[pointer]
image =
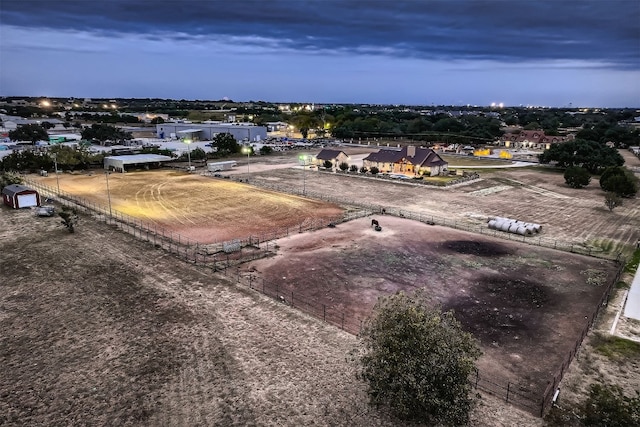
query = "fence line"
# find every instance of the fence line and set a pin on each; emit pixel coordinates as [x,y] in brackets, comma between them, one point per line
[214,257]
[535,240]
[547,400]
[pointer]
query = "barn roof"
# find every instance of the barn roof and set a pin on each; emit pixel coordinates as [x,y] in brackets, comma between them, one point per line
[13,189]
[327,154]
[133,159]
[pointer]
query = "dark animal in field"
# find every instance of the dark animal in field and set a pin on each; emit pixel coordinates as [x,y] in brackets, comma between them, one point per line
[374,222]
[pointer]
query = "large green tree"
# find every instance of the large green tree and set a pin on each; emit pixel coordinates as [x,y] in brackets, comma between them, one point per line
[30,132]
[417,361]
[591,155]
[577,177]
[226,144]
[619,180]
[103,133]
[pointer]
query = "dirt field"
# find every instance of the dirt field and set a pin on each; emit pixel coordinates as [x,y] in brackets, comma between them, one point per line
[527,194]
[527,305]
[98,328]
[205,210]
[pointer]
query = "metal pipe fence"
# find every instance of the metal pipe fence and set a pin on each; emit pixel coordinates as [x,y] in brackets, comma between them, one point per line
[254,247]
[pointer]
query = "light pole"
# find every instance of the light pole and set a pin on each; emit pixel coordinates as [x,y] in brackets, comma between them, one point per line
[108,192]
[304,175]
[55,162]
[188,142]
[247,150]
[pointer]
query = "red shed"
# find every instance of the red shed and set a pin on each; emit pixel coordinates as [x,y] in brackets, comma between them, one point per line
[18,196]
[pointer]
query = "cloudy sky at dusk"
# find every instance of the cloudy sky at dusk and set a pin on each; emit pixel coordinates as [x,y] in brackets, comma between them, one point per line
[419,52]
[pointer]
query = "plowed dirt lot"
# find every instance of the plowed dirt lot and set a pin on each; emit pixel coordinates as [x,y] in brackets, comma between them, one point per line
[98,328]
[202,209]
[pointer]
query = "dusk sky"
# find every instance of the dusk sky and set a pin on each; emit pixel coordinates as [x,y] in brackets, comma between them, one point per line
[421,52]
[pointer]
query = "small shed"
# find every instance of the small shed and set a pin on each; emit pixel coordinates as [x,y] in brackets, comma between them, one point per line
[18,196]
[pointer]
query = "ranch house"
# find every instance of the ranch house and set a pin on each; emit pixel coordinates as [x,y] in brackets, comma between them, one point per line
[334,156]
[535,139]
[409,160]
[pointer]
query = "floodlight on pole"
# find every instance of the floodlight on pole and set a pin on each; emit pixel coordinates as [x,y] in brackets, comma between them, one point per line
[247,150]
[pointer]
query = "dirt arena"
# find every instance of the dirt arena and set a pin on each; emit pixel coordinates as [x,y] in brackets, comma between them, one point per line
[526,305]
[205,210]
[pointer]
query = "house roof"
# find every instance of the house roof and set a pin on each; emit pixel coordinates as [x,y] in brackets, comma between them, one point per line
[537,136]
[327,154]
[423,157]
[13,189]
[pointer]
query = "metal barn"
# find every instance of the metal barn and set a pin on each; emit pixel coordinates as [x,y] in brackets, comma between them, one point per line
[18,196]
[146,161]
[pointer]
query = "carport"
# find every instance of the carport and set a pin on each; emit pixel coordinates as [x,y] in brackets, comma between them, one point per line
[146,161]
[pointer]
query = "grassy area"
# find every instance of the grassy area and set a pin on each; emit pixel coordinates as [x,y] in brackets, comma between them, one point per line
[632,265]
[615,347]
[440,180]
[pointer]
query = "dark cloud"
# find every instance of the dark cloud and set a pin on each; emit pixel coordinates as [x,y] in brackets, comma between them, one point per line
[596,30]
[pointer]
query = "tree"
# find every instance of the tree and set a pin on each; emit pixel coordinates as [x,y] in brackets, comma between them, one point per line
[374,170]
[327,164]
[577,177]
[417,360]
[226,144]
[619,180]
[612,200]
[265,149]
[590,155]
[363,169]
[353,168]
[104,132]
[69,218]
[343,166]
[47,125]
[608,406]
[29,132]
[157,120]
[8,179]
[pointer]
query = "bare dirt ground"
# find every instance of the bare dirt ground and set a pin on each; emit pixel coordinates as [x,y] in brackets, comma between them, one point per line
[528,194]
[203,209]
[97,328]
[527,305]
